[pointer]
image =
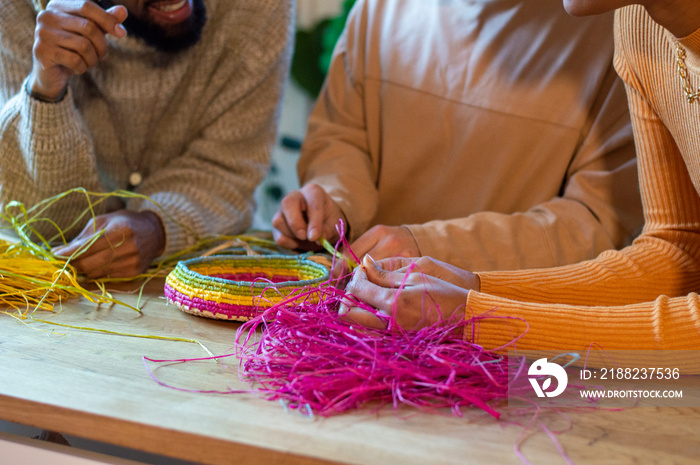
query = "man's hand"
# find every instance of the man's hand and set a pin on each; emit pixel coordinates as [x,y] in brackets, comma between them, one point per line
[131,240]
[70,38]
[385,242]
[305,216]
[421,291]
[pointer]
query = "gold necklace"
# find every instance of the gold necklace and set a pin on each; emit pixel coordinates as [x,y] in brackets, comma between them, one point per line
[683,73]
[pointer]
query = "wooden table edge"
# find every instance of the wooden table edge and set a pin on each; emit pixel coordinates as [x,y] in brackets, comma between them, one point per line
[143,437]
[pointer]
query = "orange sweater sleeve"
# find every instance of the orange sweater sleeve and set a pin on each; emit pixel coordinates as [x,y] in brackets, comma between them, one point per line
[614,300]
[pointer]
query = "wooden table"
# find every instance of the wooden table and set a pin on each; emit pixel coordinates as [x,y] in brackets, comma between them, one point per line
[95,386]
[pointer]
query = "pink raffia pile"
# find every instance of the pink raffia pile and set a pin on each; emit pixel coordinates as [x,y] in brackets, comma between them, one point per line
[300,352]
[307,357]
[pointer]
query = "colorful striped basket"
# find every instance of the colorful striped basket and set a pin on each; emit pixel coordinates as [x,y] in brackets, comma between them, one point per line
[239,287]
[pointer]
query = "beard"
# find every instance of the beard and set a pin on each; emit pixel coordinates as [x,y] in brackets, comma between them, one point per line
[172,39]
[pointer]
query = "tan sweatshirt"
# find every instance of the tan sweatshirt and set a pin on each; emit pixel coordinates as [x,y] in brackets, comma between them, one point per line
[643,297]
[199,125]
[497,130]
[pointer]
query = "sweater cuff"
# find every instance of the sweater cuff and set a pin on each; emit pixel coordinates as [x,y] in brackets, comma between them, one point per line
[178,235]
[424,236]
[490,328]
[54,122]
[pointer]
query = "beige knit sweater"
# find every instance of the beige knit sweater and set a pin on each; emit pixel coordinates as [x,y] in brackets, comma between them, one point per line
[642,297]
[199,125]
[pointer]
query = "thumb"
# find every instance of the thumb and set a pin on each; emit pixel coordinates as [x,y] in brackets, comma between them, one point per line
[67,251]
[379,276]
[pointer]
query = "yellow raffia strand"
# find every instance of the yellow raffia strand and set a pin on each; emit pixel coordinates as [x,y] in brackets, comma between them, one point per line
[29,283]
[40,5]
[119,333]
[32,278]
[352,264]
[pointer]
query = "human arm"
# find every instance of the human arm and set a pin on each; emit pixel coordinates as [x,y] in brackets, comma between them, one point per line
[663,323]
[69,40]
[425,292]
[336,153]
[46,147]
[494,323]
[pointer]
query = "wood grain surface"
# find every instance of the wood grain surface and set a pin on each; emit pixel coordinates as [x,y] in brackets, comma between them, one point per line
[96,386]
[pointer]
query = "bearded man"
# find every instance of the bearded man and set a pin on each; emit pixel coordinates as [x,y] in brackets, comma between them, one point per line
[177,100]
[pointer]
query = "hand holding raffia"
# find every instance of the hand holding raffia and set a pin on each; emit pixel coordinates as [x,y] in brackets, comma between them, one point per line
[383,241]
[412,293]
[305,216]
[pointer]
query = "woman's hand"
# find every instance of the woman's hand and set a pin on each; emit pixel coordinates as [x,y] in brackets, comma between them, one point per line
[417,292]
[431,267]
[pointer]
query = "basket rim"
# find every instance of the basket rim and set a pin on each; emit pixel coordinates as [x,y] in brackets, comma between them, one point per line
[184,267]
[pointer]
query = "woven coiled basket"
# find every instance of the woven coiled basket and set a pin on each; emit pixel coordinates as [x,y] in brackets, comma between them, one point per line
[240,287]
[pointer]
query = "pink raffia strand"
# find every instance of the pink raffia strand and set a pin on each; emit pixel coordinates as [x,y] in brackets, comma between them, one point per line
[300,353]
[305,356]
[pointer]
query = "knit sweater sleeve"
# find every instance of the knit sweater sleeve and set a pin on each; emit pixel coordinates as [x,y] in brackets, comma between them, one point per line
[226,103]
[614,300]
[45,148]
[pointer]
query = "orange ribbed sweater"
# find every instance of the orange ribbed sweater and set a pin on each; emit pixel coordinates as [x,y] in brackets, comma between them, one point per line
[642,297]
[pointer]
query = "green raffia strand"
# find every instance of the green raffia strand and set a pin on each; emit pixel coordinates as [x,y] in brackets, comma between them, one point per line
[35,214]
[22,221]
[352,264]
[119,333]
